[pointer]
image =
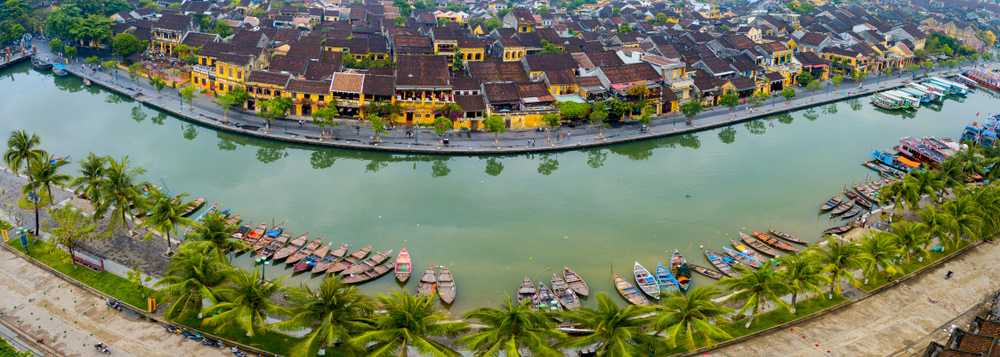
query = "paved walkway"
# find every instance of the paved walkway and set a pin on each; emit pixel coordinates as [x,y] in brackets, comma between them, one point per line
[896,320]
[352,135]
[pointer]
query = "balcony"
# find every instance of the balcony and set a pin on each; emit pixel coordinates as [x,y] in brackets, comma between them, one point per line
[680,83]
[203,69]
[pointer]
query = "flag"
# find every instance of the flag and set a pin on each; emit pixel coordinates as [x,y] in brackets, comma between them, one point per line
[977,114]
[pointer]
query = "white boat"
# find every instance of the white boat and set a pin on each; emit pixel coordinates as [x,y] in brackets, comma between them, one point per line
[646,281]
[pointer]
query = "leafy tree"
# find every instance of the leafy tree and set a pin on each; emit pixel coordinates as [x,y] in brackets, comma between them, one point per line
[730,100]
[928,66]
[378,125]
[165,214]
[119,189]
[758,98]
[755,288]
[273,108]
[661,18]
[70,51]
[191,59]
[134,72]
[159,84]
[96,28]
[409,321]
[323,117]
[912,68]
[837,80]
[126,44]
[71,227]
[189,93]
[511,329]
[496,125]
[599,117]
[911,237]
[222,29]
[56,45]
[108,65]
[690,109]
[803,274]
[617,332]
[625,28]
[450,111]
[192,277]
[692,321]
[551,121]
[493,24]
[245,303]
[23,151]
[789,94]
[226,101]
[548,48]
[839,259]
[542,10]
[441,127]
[805,78]
[962,219]
[333,312]
[400,21]
[813,86]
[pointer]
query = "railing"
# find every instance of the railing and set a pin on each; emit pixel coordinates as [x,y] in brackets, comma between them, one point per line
[680,83]
[203,69]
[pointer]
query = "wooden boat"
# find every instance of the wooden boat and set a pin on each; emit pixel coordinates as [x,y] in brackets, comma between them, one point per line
[720,264]
[832,202]
[707,272]
[334,256]
[852,212]
[274,246]
[367,264]
[349,260]
[576,282]
[749,252]
[646,281]
[268,237]
[370,274]
[526,291]
[305,251]
[201,217]
[309,262]
[255,234]
[732,262]
[565,294]
[234,219]
[86,82]
[446,285]
[742,258]
[39,65]
[193,206]
[787,236]
[667,284]
[837,230]
[843,207]
[629,292]
[756,244]
[679,266]
[293,247]
[428,283]
[545,300]
[774,242]
[868,192]
[242,231]
[403,268]
[59,70]
[861,200]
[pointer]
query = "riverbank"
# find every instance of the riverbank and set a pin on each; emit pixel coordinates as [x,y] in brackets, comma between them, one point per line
[350,135]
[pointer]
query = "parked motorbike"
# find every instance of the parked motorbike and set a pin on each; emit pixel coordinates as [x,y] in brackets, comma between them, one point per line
[193,336]
[114,304]
[100,347]
[237,352]
[212,343]
[171,329]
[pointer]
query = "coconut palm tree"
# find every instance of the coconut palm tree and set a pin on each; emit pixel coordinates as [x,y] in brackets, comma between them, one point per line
[934,219]
[245,303]
[192,277]
[952,175]
[803,275]
[691,321]
[839,258]
[165,214]
[119,189]
[91,174]
[214,233]
[962,219]
[918,183]
[21,149]
[334,312]
[878,251]
[512,330]
[756,288]
[972,159]
[409,321]
[911,236]
[45,171]
[618,332]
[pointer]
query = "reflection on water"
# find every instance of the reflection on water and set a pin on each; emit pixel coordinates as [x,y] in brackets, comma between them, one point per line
[138,114]
[190,132]
[830,108]
[319,159]
[159,118]
[493,166]
[902,113]
[727,135]
[855,104]
[596,157]
[440,167]
[756,127]
[547,164]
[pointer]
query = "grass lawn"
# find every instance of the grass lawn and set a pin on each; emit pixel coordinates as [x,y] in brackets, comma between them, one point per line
[781,315]
[274,342]
[908,267]
[108,283]
[26,204]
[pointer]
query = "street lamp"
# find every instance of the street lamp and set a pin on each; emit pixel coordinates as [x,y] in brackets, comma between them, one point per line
[263,263]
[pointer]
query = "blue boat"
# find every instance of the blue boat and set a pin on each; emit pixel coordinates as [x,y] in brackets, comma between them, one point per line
[892,160]
[201,217]
[742,258]
[59,70]
[274,232]
[668,285]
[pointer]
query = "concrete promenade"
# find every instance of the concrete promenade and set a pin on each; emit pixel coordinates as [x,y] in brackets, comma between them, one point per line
[354,135]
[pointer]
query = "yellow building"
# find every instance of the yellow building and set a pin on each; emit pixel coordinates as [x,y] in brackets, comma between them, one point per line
[471,49]
[169,32]
[264,85]
[560,82]
[422,85]
[512,49]
[307,96]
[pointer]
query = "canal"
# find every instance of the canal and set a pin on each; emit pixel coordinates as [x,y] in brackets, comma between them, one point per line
[494,219]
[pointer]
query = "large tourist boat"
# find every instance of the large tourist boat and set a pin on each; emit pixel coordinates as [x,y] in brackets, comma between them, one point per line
[918,150]
[924,97]
[952,87]
[983,134]
[968,82]
[885,101]
[985,79]
[895,161]
[938,94]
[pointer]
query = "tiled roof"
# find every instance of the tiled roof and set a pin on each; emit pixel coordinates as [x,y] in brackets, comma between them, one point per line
[308,87]
[975,343]
[214,49]
[378,85]
[717,65]
[321,70]
[271,78]
[583,60]
[172,22]
[470,103]
[812,38]
[742,83]
[605,58]
[237,59]
[422,71]
[286,64]
[523,15]
[465,83]
[470,43]
[630,73]
[198,39]
[510,42]
[501,92]
[536,89]
[410,42]
[666,95]
[772,47]
[347,82]
[774,76]
[247,39]
[549,62]
[740,42]
[304,51]
[560,76]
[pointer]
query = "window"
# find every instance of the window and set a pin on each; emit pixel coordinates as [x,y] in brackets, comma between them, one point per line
[230,72]
[202,60]
[321,98]
[239,75]
[277,93]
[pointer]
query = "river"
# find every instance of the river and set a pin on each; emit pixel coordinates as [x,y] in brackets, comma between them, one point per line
[495,219]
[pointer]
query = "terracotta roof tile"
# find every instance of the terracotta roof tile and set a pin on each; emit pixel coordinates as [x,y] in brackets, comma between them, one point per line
[271,78]
[347,82]
[470,103]
[422,71]
[308,87]
[501,92]
[292,65]
[378,85]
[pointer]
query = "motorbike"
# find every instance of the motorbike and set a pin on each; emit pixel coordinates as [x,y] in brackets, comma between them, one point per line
[212,343]
[114,304]
[237,352]
[193,336]
[100,347]
[948,276]
[171,329]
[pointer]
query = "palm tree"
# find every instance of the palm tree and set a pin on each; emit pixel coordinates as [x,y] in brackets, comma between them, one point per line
[334,312]
[839,258]
[972,160]
[988,201]
[45,171]
[245,303]
[213,232]
[802,274]
[934,219]
[692,321]
[617,332]
[952,175]
[119,188]
[91,174]
[911,236]
[192,277]
[962,219]
[21,149]
[755,289]
[511,330]
[165,214]
[409,321]
[918,183]
[878,250]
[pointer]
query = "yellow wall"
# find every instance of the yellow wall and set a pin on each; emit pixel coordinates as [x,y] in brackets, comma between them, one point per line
[469,54]
[513,54]
[559,89]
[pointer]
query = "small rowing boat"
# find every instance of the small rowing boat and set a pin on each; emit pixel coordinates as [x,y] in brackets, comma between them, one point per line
[242,231]
[194,205]
[273,247]
[629,292]
[255,234]
[428,283]
[305,251]
[565,294]
[837,230]
[832,202]
[576,282]
[851,212]
[324,264]
[268,237]
[860,200]
[746,250]
[367,264]
[742,258]
[309,262]
[707,272]
[646,281]
[86,82]
[756,244]
[720,264]
[350,260]
[774,242]
[668,285]
[446,285]
[843,207]
[200,218]
[526,292]
[678,266]
[545,300]
[403,269]
[293,247]
[787,236]
[370,274]
[234,219]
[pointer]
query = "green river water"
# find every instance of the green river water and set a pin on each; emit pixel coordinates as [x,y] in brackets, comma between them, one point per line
[493,220]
